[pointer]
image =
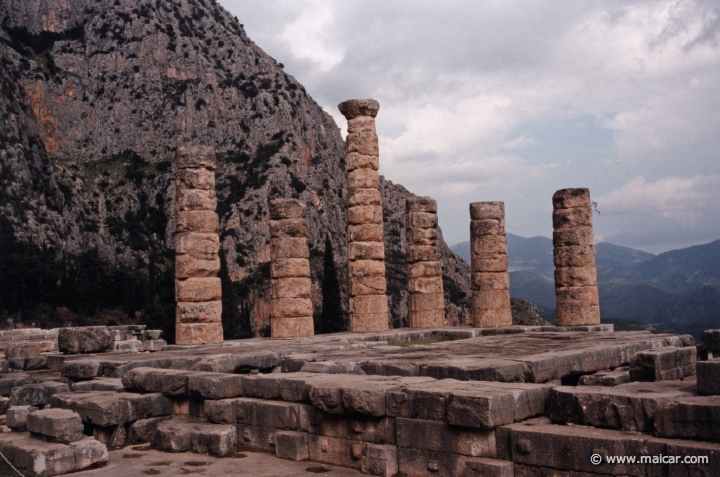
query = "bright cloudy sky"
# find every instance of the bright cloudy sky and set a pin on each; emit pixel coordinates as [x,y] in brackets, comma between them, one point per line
[512,100]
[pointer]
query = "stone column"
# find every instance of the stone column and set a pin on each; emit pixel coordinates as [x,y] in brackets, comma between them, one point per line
[197,287]
[291,310]
[489,264]
[426,306]
[576,293]
[366,252]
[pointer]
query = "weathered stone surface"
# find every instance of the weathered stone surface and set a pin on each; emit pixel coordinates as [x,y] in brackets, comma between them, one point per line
[421,463]
[132,346]
[425,285]
[369,304]
[286,209]
[352,108]
[711,340]
[427,318]
[696,417]
[567,198]
[289,268]
[575,276]
[52,458]
[361,124]
[578,295]
[380,459]
[368,286]
[195,199]
[294,327]
[421,253]
[422,237]
[198,333]
[203,221]
[56,425]
[36,394]
[708,377]
[363,179]
[365,233]
[437,436]
[197,243]
[81,369]
[215,385]
[187,435]
[497,263]
[332,450]
[359,197]
[194,156]
[481,467]
[484,227]
[606,378]
[189,266]
[488,246]
[572,217]
[290,307]
[365,143]
[292,445]
[422,220]
[290,288]
[366,251]
[16,417]
[365,214]
[573,236]
[198,289]
[663,364]
[424,269]
[28,349]
[426,302]
[195,178]
[574,256]
[364,322]
[492,300]
[10,381]
[296,227]
[487,210]
[143,430]
[289,247]
[85,339]
[490,281]
[573,314]
[106,408]
[198,312]
[367,268]
[354,160]
[421,204]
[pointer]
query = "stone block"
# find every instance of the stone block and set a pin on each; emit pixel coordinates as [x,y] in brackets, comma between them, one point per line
[380,459]
[361,124]
[490,299]
[421,220]
[577,295]
[575,277]
[50,458]
[487,246]
[215,385]
[426,302]
[188,435]
[492,318]
[154,345]
[426,319]
[367,268]
[663,364]
[424,269]
[189,266]
[694,450]
[435,436]
[331,450]
[365,214]
[573,236]
[290,288]
[84,339]
[28,349]
[365,143]
[292,445]
[195,157]
[420,463]
[366,251]
[498,263]
[420,204]
[367,322]
[198,289]
[487,210]
[368,286]
[481,467]
[365,178]
[108,408]
[421,253]
[288,228]
[16,417]
[708,377]
[56,425]
[198,333]
[483,281]
[378,430]
[4,404]
[365,233]
[352,108]
[199,312]
[574,256]
[696,417]
[289,247]
[568,198]
[574,314]
[290,268]
[425,285]
[483,227]
[128,346]
[197,243]
[422,237]
[195,178]
[36,394]
[295,327]
[154,334]
[355,161]
[13,380]
[711,340]
[572,217]
[368,304]
[606,378]
[203,221]
[290,307]
[195,199]
[360,197]
[287,209]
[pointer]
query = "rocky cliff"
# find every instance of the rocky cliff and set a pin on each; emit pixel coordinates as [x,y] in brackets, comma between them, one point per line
[96,97]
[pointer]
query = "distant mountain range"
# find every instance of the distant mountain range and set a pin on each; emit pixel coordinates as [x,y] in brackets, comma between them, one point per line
[675,291]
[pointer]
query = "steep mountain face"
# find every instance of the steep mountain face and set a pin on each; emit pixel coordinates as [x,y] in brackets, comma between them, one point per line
[96,97]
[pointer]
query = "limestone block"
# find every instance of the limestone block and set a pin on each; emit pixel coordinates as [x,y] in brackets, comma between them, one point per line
[196,243]
[56,425]
[37,457]
[663,364]
[287,209]
[570,218]
[367,268]
[290,307]
[437,436]
[195,199]
[28,349]
[368,286]
[352,108]
[214,385]
[110,408]
[488,246]
[290,288]
[290,268]
[256,438]
[292,327]
[198,289]
[13,380]
[363,179]
[195,156]
[361,124]
[426,319]
[365,143]
[368,304]
[273,414]
[199,312]
[575,276]
[577,295]
[492,318]
[292,445]
[204,221]
[570,314]
[198,333]
[188,435]
[425,285]
[143,430]
[16,417]
[84,339]
[355,160]
[421,253]
[188,266]
[696,417]
[36,394]
[573,236]
[364,322]
[487,227]
[482,467]
[289,247]
[358,197]
[487,210]
[490,281]
[568,198]
[421,220]
[288,228]
[422,237]
[574,256]
[606,378]
[364,214]
[711,340]
[490,299]
[154,345]
[426,302]
[380,459]
[195,178]
[366,251]
[365,233]
[424,269]
[419,463]
[334,451]
[420,204]
[498,263]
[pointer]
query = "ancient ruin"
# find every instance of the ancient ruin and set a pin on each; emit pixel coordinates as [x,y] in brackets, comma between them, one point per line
[198,291]
[576,292]
[366,251]
[489,264]
[426,303]
[291,310]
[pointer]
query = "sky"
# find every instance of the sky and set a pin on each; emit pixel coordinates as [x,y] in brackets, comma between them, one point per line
[513,100]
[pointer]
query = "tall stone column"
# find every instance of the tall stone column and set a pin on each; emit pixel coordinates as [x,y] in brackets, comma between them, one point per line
[489,264]
[425,286]
[291,310]
[366,252]
[576,293]
[198,316]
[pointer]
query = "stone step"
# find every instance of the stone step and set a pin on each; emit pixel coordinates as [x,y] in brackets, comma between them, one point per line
[663,364]
[51,458]
[606,378]
[36,394]
[56,425]
[108,408]
[12,380]
[192,435]
[99,384]
[690,418]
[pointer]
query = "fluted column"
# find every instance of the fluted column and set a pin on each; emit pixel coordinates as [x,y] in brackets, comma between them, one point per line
[366,252]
